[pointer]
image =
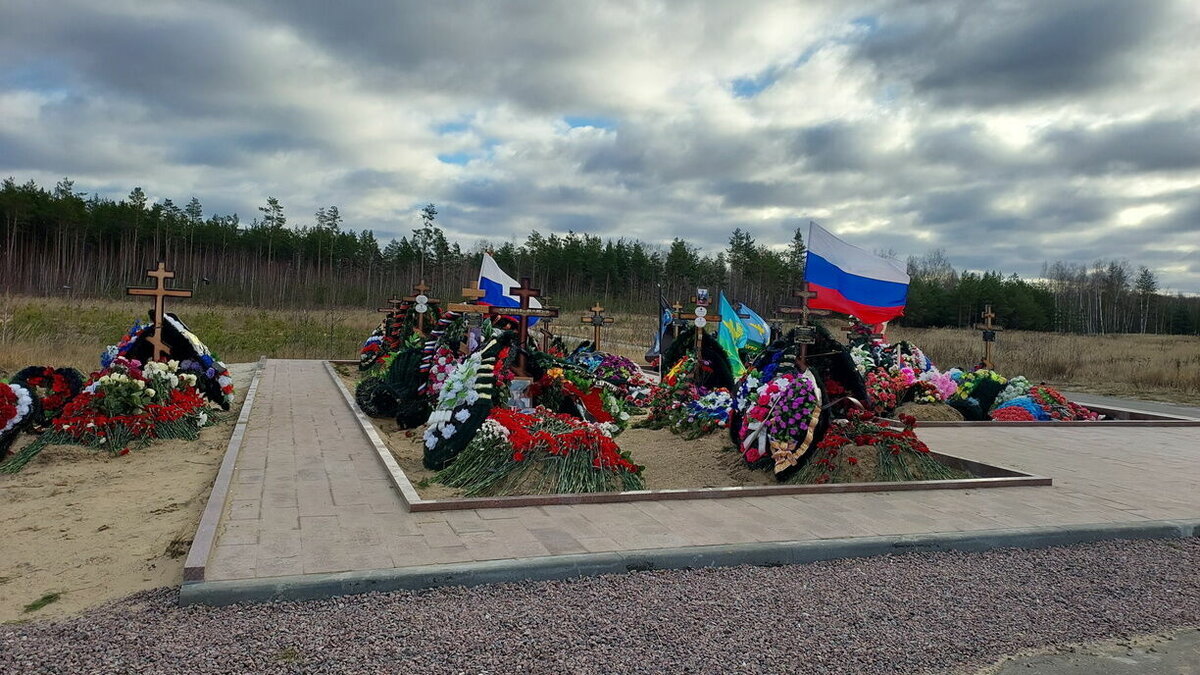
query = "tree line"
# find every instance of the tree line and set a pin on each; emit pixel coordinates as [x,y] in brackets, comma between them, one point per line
[62,242]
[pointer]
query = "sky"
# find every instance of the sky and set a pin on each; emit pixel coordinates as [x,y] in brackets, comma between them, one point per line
[1009,133]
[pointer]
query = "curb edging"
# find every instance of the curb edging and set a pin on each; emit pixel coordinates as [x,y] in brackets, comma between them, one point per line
[206,530]
[549,568]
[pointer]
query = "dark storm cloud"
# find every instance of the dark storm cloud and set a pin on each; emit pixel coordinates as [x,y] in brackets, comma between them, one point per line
[988,54]
[1142,146]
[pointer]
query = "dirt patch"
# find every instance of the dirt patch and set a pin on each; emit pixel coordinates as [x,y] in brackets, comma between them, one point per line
[672,462]
[93,527]
[929,412]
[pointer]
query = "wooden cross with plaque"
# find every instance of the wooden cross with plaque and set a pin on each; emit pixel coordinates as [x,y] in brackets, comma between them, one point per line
[989,334]
[525,292]
[596,320]
[160,293]
[806,333]
[700,318]
[421,303]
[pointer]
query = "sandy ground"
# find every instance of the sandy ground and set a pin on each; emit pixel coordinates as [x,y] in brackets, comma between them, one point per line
[94,527]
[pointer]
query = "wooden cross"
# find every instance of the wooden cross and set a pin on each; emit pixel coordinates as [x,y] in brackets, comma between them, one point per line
[525,292]
[421,290]
[805,333]
[596,320]
[702,314]
[470,294]
[676,309]
[394,305]
[989,334]
[160,293]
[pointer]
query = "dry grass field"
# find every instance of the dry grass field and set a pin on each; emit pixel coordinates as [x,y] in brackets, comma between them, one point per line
[56,331]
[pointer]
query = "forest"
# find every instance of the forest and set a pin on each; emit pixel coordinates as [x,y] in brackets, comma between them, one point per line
[59,242]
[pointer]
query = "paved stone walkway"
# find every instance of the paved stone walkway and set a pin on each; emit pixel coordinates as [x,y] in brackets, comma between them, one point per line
[310,496]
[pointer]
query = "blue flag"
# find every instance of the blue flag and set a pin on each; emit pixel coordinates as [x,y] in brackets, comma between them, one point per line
[757,329]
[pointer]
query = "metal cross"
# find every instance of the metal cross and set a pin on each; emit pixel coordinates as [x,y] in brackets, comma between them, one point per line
[160,293]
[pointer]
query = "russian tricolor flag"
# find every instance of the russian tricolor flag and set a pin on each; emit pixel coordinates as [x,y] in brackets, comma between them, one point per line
[852,281]
[496,284]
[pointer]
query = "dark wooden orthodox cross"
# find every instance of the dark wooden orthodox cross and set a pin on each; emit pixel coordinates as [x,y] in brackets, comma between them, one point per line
[422,303]
[700,318]
[160,293]
[806,334]
[525,292]
[596,320]
[989,334]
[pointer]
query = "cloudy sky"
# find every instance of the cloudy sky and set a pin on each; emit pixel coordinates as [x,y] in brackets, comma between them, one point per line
[1008,133]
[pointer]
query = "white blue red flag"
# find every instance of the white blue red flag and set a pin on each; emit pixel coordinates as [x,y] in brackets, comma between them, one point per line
[497,286]
[852,281]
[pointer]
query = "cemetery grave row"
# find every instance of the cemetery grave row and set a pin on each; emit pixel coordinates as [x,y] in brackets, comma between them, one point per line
[497,413]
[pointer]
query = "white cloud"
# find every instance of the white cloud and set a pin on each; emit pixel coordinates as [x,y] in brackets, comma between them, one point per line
[1046,130]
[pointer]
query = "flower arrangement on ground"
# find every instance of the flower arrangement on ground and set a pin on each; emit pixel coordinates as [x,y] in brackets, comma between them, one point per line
[540,452]
[18,410]
[677,405]
[53,388]
[780,420]
[125,406]
[468,394]
[569,391]
[1042,404]
[865,449]
[977,390]
[213,378]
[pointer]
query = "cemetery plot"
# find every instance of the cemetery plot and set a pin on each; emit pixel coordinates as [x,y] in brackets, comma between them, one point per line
[116,463]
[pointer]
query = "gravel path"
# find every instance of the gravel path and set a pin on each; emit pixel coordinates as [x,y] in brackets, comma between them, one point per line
[912,613]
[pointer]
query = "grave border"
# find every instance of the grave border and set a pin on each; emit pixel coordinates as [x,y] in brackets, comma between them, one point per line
[210,520]
[992,476]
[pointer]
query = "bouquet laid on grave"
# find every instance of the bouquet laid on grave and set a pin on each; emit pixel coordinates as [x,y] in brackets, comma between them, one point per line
[684,408]
[1042,404]
[126,405]
[541,452]
[573,392]
[864,449]
[623,373]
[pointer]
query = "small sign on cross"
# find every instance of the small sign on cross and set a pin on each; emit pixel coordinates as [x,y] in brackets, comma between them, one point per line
[421,303]
[988,330]
[700,317]
[160,293]
[805,334]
